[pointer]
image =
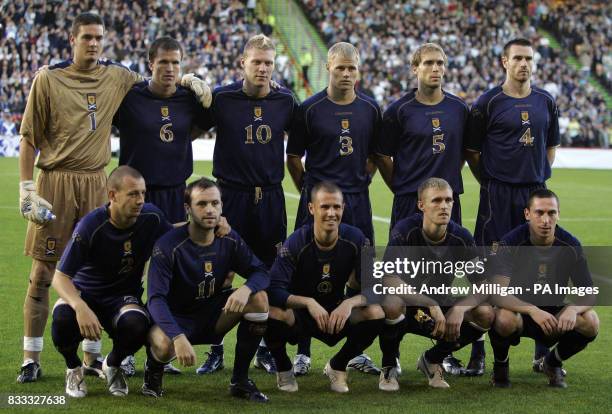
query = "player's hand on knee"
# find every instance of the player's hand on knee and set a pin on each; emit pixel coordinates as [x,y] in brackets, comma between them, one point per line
[454,319]
[184,352]
[238,300]
[338,317]
[31,204]
[89,325]
[545,320]
[199,87]
[319,314]
[566,320]
[440,320]
[223,228]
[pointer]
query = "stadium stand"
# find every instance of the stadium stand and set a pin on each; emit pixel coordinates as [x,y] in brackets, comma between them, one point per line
[34,33]
[472,34]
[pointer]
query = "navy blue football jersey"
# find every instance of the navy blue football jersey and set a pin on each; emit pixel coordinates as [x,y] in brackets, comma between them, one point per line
[249,149]
[103,260]
[457,246]
[184,275]
[513,134]
[302,269]
[525,264]
[337,140]
[425,141]
[155,134]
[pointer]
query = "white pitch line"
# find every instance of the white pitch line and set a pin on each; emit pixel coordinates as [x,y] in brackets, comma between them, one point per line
[472,220]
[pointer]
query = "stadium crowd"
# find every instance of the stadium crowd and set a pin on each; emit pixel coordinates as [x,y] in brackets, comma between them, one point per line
[34,33]
[472,34]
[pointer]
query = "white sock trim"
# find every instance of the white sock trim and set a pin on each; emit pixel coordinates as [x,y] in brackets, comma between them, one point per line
[93,347]
[396,320]
[33,343]
[256,316]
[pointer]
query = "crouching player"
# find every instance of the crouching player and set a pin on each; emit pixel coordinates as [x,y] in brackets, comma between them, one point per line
[99,280]
[189,306]
[308,281]
[540,252]
[434,237]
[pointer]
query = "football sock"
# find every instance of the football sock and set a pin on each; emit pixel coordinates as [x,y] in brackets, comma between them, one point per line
[277,341]
[540,350]
[501,347]
[390,339]
[250,332]
[468,333]
[217,349]
[66,334]
[569,344]
[303,347]
[361,336]
[478,347]
[131,328]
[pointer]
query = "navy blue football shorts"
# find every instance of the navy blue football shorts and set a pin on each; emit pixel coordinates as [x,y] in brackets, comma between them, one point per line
[501,209]
[258,215]
[170,200]
[357,211]
[199,327]
[107,308]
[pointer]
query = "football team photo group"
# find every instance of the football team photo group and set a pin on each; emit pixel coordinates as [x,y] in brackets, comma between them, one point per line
[138,265]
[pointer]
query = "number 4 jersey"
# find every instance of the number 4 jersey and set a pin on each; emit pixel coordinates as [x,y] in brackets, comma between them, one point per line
[513,134]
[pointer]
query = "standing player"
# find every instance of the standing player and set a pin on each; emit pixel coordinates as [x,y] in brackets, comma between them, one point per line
[540,252]
[99,280]
[307,286]
[67,119]
[156,120]
[513,135]
[433,237]
[251,120]
[187,301]
[336,129]
[424,137]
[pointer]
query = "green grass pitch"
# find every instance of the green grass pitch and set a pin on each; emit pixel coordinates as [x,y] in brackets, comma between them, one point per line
[586,197]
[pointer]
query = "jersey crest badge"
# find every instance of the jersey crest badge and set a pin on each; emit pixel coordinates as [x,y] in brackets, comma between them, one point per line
[208,267]
[435,123]
[91,102]
[127,248]
[326,269]
[258,113]
[344,125]
[525,118]
[165,113]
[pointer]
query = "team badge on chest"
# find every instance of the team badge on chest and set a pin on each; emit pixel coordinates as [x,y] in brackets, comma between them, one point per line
[165,113]
[258,113]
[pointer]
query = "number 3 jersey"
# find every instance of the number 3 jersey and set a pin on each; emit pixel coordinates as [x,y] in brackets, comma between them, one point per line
[155,134]
[337,140]
[424,141]
[250,144]
[184,275]
[513,134]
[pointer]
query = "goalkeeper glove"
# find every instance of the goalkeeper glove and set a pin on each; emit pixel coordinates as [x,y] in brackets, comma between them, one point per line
[33,207]
[199,87]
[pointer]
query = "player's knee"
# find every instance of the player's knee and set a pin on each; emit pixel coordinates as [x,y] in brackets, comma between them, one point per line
[64,327]
[161,346]
[392,310]
[41,276]
[484,316]
[372,312]
[588,324]
[259,301]
[132,324]
[505,322]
